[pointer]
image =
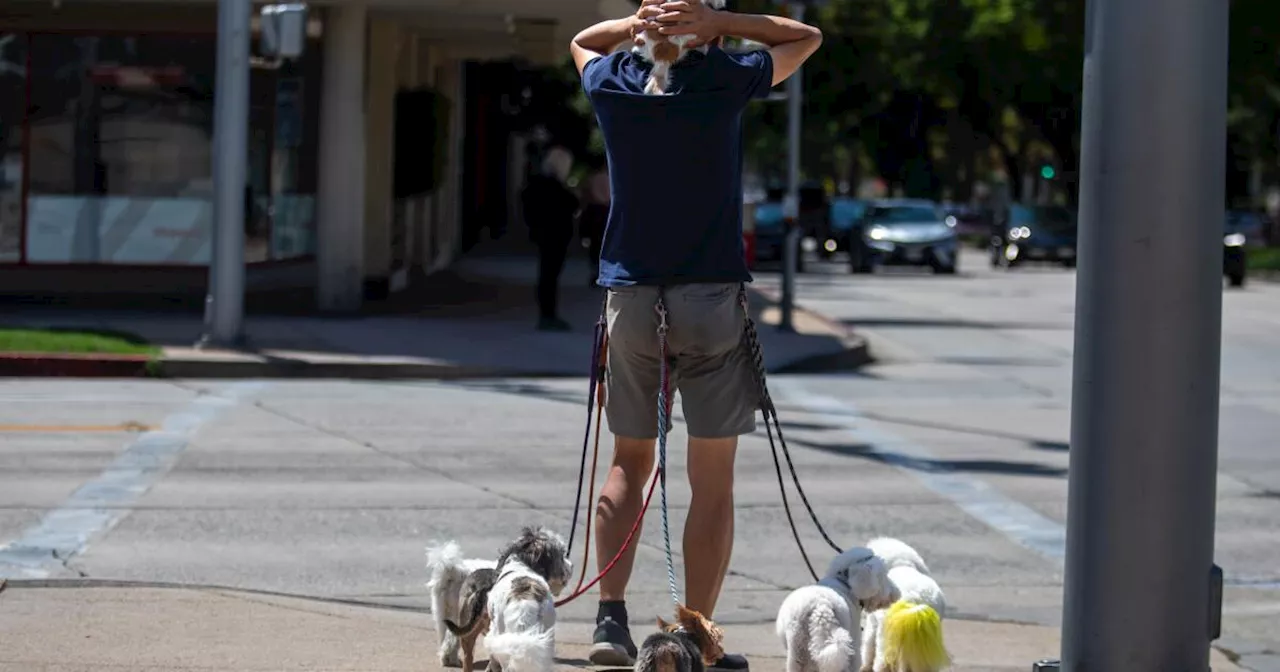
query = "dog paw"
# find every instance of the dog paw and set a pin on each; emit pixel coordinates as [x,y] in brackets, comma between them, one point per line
[449,656]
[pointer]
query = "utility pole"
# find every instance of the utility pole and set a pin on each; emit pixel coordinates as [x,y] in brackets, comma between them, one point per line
[224,304]
[791,206]
[1142,592]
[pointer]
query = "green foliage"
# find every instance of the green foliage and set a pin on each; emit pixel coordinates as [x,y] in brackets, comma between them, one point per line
[935,95]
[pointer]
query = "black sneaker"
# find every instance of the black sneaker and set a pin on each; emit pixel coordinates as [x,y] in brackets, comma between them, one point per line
[730,661]
[611,645]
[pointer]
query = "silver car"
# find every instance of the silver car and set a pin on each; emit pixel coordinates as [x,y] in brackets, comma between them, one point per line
[904,232]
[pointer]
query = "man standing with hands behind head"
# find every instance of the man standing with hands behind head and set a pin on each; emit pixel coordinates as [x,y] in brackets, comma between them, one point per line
[675,236]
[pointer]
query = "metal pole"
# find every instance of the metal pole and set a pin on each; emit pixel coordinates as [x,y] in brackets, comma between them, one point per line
[230,157]
[1141,587]
[791,208]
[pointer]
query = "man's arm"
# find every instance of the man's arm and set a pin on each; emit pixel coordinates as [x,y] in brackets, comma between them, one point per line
[601,39]
[790,42]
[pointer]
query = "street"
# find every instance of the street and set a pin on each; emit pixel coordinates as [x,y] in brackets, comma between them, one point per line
[955,441]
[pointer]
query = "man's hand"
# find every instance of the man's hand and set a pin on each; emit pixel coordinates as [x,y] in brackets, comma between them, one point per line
[689,17]
[646,17]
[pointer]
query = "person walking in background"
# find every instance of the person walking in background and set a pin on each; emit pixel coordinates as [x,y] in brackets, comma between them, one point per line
[549,209]
[595,214]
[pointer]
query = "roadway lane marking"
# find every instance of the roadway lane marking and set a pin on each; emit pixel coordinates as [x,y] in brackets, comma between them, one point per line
[1020,523]
[100,504]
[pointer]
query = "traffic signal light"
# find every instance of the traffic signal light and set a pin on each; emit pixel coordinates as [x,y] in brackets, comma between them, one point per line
[1047,172]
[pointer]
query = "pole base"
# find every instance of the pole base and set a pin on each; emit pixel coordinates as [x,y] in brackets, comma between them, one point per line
[207,341]
[1047,665]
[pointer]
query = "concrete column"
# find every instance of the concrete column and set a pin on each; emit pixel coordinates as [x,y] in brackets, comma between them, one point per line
[341,203]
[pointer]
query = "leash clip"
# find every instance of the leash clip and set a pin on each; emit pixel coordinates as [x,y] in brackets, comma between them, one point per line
[661,308]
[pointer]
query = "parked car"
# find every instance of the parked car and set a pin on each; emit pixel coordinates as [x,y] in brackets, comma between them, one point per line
[1241,229]
[770,229]
[1037,233]
[903,232]
[815,217]
[845,213]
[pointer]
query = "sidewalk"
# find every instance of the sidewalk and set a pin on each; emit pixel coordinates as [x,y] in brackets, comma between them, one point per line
[475,320]
[81,629]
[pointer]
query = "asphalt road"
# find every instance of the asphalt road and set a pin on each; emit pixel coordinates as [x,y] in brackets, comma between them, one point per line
[955,442]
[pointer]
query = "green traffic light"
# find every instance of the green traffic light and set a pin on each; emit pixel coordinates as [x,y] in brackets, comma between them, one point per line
[1047,172]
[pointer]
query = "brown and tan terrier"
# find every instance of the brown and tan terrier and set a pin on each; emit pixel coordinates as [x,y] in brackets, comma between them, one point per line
[689,645]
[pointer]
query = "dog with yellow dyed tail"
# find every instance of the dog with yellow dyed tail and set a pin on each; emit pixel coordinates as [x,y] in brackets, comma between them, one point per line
[906,636]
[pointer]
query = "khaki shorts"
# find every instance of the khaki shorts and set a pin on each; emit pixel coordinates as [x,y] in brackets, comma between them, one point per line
[711,370]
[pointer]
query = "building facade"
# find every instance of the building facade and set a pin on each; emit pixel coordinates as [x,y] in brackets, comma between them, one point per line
[371,157]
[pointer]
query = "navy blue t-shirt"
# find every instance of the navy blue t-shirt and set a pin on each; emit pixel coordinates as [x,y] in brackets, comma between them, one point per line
[675,165]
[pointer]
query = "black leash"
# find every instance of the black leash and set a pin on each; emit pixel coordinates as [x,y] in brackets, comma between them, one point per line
[751,341]
[597,346]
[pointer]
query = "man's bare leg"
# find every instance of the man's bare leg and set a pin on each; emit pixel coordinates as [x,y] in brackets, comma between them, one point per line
[708,531]
[619,504]
[620,501]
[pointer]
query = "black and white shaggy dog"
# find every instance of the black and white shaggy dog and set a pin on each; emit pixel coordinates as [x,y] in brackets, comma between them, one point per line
[532,570]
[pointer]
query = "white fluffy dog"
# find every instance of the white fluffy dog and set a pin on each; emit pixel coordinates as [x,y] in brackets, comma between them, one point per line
[522,609]
[908,636]
[449,569]
[820,624]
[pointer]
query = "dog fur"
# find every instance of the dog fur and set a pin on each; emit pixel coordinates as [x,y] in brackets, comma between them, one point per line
[820,625]
[910,576]
[475,602]
[521,606]
[448,570]
[664,51]
[689,645]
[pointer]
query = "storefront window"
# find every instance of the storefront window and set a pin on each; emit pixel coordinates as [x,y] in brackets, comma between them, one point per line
[294,157]
[13,94]
[120,151]
[121,130]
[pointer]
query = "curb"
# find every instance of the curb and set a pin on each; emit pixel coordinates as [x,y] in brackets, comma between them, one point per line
[356,370]
[855,352]
[95,365]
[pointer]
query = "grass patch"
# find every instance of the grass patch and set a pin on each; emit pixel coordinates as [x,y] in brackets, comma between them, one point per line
[73,341]
[1264,258]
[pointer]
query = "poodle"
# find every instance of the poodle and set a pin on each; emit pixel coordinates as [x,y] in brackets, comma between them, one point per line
[688,645]
[522,611]
[664,51]
[906,637]
[820,624]
[448,570]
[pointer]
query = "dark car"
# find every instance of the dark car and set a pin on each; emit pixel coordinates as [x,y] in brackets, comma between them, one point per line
[770,230]
[845,213]
[903,232]
[815,217]
[1241,229]
[1037,233]
[814,221]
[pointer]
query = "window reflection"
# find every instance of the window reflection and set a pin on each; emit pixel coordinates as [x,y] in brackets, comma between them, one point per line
[120,152]
[121,133]
[13,92]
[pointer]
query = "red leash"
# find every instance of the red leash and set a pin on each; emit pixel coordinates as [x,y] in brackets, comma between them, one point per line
[626,543]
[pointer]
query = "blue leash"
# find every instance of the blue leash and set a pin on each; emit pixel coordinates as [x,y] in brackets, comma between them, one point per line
[664,421]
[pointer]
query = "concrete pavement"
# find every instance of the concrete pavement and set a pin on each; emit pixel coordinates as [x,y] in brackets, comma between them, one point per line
[972,381]
[331,489]
[89,629]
